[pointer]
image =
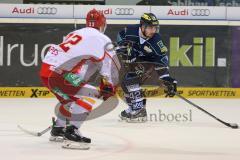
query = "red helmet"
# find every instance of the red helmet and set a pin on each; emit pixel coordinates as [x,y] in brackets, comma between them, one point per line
[95,19]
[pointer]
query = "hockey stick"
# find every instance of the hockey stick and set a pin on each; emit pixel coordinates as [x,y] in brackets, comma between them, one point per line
[231,125]
[37,134]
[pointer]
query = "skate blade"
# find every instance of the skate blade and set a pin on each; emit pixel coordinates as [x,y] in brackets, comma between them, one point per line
[75,145]
[56,139]
[133,120]
[122,118]
[137,120]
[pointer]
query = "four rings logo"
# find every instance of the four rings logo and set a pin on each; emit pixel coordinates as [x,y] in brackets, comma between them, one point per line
[47,10]
[200,12]
[124,11]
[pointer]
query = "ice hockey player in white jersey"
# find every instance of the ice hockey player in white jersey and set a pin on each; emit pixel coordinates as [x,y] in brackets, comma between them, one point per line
[66,71]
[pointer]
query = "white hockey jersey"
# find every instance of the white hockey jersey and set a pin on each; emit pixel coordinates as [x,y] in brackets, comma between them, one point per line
[84,49]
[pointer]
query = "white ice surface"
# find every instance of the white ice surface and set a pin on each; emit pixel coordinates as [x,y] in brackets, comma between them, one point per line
[199,139]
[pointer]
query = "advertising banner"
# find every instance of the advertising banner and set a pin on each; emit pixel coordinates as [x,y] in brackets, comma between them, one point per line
[112,11]
[198,55]
[36,11]
[189,12]
[153,92]
[233,13]
[25,92]
[235,61]
[51,11]
[210,92]
[22,47]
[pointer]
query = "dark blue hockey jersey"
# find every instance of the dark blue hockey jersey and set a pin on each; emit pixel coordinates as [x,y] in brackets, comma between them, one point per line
[151,50]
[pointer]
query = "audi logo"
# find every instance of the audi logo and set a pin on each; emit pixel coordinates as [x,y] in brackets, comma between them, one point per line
[200,12]
[124,11]
[47,10]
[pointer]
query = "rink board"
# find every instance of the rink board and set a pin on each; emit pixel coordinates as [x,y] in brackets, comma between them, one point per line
[209,49]
[155,92]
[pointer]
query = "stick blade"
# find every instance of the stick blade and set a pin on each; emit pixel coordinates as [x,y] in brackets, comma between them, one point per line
[233,125]
[37,134]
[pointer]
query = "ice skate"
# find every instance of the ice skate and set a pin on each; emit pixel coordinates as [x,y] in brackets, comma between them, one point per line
[57,133]
[73,139]
[139,116]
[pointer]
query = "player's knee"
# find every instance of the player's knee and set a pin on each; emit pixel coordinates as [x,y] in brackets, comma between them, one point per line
[129,82]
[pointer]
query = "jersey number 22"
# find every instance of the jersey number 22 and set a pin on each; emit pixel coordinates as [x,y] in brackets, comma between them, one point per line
[71,40]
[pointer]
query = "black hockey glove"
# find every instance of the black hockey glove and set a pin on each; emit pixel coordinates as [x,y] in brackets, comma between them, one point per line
[106,90]
[125,52]
[171,86]
[127,57]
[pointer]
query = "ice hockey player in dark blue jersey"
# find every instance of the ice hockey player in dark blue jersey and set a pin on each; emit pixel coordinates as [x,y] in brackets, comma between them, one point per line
[143,52]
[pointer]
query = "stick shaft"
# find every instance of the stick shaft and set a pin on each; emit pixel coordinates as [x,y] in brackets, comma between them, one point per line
[200,108]
[38,134]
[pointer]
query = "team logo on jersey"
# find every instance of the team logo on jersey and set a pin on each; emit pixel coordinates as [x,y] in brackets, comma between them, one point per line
[147,49]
